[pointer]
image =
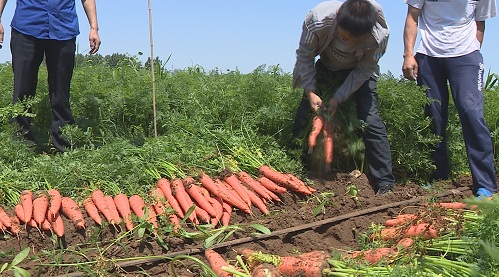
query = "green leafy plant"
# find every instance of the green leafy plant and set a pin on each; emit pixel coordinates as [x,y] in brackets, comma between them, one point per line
[13,265]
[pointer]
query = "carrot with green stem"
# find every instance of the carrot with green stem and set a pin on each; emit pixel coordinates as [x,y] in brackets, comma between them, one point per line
[271,185]
[26,200]
[245,178]
[216,262]
[231,179]
[99,201]
[284,180]
[40,208]
[317,125]
[222,192]
[5,218]
[165,186]
[328,146]
[183,198]
[112,208]
[92,210]
[72,211]
[123,206]
[196,193]
[55,202]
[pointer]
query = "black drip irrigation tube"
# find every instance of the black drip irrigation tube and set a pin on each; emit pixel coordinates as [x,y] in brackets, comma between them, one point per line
[257,237]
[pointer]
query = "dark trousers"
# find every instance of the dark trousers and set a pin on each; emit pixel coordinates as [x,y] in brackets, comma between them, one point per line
[464,75]
[377,147]
[27,55]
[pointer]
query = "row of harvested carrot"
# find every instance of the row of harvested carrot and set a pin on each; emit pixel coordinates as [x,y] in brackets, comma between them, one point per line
[403,230]
[204,199]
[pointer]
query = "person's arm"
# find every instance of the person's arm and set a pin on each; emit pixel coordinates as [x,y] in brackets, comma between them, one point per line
[91,12]
[410,66]
[304,70]
[2,31]
[480,30]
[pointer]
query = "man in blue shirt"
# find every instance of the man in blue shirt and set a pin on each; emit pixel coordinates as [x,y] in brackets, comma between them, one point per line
[47,29]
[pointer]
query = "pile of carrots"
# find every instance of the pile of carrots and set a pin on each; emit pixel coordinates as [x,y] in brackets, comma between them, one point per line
[403,230]
[198,200]
[261,264]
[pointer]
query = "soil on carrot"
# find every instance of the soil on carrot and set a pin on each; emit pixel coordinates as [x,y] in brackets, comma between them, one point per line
[331,219]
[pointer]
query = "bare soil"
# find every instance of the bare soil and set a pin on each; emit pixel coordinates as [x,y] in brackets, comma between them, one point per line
[107,251]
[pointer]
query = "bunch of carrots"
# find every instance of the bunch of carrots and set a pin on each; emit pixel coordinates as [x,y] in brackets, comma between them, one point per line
[198,200]
[42,210]
[260,264]
[403,230]
[321,125]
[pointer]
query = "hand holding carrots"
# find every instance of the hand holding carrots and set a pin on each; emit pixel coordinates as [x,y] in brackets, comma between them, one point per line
[315,101]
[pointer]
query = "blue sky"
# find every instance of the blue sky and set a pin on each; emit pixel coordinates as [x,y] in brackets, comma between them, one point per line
[223,34]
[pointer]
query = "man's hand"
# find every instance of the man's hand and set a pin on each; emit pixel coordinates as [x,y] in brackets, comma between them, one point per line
[410,68]
[94,41]
[332,106]
[315,101]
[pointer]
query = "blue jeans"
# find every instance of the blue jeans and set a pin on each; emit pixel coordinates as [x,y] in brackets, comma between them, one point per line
[464,75]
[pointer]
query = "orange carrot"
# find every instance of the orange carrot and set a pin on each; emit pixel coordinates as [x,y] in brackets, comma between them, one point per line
[195,192]
[375,255]
[386,234]
[58,225]
[282,179]
[46,226]
[254,184]
[159,201]
[137,205]
[230,191]
[400,220]
[72,211]
[265,270]
[26,200]
[271,185]
[222,192]
[112,208]
[152,216]
[317,124]
[92,210]
[328,146]
[55,202]
[123,206]
[217,206]
[424,230]
[19,211]
[15,229]
[451,205]
[232,180]
[183,198]
[226,214]
[5,218]
[257,201]
[100,202]
[216,262]
[40,208]
[165,185]
[405,243]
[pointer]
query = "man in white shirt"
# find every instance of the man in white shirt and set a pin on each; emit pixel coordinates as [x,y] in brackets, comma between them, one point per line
[349,37]
[449,55]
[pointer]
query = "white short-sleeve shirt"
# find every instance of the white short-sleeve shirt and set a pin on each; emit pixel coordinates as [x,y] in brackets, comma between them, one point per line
[448,27]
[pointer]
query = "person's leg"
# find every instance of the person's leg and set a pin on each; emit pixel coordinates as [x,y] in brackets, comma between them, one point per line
[378,155]
[27,55]
[432,75]
[465,78]
[60,57]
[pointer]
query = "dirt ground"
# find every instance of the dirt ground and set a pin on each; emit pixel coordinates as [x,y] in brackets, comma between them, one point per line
[106,251]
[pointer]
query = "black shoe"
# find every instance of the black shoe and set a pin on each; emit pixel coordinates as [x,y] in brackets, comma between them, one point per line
[384,189]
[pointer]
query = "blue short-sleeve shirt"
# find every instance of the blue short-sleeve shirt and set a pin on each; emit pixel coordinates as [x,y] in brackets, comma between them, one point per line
[46,19]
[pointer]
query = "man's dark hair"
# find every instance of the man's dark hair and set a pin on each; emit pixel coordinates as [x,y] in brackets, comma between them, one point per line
[357,17]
